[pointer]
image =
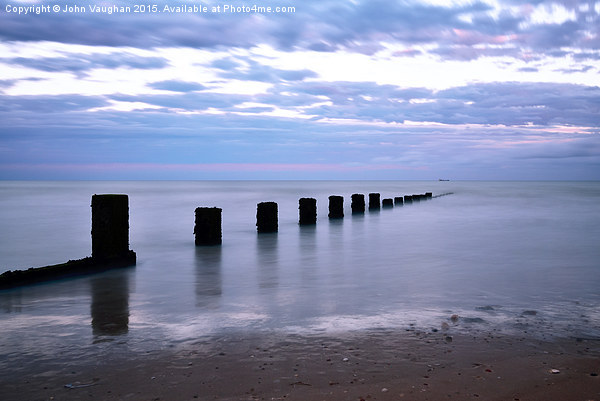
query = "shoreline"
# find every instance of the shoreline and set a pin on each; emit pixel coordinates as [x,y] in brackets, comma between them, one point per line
[376,364]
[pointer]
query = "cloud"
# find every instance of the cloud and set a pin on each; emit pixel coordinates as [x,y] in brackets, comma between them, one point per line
[177,86]
[368,89]
[7,83]
[79,63]
[324,25]
[12,106]
[509,103]
[251,70]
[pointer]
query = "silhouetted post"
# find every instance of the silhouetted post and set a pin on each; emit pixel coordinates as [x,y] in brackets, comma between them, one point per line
[407,198]
[374,201]
[336,207]
[308,211]
[358,203]
[207,227]
[387,203]
[428,195]
[266,217]
[110,226]
[398,201]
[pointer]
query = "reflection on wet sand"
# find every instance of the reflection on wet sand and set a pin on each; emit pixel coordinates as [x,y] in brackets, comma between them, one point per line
[208,276]
[15,300]
[110,304]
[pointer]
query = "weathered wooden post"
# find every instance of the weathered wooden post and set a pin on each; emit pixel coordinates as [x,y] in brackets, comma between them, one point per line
[336,207]
[428,195]
[110,246]
[387,203]
[308,211]
[266,217]
[110,227]
[374,201]
[398,201]
[407,198]
[358,203]
[207,226]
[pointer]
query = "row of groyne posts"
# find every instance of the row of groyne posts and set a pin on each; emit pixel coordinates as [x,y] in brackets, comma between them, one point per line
[207,228]
[110,231]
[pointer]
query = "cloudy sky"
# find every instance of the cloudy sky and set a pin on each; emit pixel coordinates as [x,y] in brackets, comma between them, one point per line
[325,89]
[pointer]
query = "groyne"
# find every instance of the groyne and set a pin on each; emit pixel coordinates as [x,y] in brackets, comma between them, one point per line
[110,231]
[110,246]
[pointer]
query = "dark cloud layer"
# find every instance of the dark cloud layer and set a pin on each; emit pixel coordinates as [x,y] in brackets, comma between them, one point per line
[506,104]
[323,25]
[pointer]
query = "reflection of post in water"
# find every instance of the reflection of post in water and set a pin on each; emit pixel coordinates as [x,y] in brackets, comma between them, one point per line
[208,276]
[308,251]
[268,260]
[110,304]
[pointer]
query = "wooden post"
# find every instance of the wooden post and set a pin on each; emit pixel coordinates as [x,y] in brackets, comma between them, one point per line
[398,201]
[308,211]
[374,201]
[336,207]
[207,227]
[407,198]
[266,217]
[358,203]
[110,226]
[387,203]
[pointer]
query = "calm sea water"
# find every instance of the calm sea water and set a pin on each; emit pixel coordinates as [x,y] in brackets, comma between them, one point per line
[510,256]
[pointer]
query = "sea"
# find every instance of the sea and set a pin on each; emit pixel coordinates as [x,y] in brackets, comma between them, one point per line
[519,258]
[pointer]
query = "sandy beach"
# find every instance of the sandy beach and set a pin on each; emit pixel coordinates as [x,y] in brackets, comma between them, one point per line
[362,365]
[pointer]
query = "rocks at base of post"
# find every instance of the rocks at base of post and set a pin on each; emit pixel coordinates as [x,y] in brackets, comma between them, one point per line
[110,226]
[336,207]
[266,217]
[358,203]
[207,226]
[308,211]
[387,203]
[398,200]
[374,201]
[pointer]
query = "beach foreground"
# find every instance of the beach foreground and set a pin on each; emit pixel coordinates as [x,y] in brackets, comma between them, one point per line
[362,365]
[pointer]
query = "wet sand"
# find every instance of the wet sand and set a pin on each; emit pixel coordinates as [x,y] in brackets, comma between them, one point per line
[362,365]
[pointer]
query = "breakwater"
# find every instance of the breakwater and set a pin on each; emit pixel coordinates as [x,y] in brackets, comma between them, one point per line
[110,231]
[110,246]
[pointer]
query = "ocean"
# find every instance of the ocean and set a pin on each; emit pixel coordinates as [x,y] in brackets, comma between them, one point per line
[510,257]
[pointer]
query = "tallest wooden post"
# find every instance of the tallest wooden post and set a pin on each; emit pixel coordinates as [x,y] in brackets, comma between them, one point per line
[110,226]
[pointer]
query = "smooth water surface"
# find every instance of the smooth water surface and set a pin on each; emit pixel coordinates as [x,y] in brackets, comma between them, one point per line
[510,256]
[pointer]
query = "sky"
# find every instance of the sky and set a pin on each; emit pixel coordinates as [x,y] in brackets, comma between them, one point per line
[313,89]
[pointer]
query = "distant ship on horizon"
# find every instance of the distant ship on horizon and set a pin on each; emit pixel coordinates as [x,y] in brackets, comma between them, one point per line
[441,179]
